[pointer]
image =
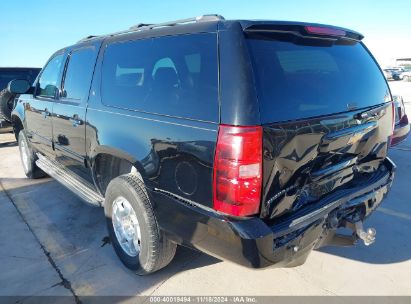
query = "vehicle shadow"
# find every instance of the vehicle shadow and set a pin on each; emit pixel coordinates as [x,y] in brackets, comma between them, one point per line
[76,237]
[8,144]
[392,220]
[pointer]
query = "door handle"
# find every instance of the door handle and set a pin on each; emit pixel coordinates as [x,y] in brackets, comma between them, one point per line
[75,121]
[45,113]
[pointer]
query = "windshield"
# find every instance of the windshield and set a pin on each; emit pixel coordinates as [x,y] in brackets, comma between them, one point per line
[8,75]
[300,78]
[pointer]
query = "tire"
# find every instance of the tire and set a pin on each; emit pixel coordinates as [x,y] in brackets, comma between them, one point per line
[6,104]
[406,78]
[28,158]
[154,251]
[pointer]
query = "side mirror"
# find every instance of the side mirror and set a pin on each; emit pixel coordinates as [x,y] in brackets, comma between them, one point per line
[19,86]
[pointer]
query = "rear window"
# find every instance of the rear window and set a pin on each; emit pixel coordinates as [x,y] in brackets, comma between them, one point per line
[300,78]
[174,75]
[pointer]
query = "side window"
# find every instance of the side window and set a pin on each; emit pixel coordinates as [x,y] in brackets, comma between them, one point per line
[173,75]
[47,85]
[79,72]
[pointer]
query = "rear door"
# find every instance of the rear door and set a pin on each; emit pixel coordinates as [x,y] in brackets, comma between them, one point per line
[40,105]
[69,110]
[325,110]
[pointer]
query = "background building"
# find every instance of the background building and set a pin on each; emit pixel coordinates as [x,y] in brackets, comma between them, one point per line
[403,61]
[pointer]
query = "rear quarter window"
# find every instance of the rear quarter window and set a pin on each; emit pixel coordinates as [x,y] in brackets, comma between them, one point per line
[301,78]
[173,75]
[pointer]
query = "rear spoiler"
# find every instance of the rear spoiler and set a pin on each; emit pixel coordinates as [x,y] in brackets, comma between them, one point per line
[301,29]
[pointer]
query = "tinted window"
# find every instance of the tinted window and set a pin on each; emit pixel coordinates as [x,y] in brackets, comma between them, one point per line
[8,75]
[300,78]
[47,86]
[79,73]
[174,76]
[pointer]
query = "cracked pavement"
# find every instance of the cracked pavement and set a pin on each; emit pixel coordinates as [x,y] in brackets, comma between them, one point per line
[51,243]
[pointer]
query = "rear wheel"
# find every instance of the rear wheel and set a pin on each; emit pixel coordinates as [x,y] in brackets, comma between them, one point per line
[28,158]
[133,229]
[406,78]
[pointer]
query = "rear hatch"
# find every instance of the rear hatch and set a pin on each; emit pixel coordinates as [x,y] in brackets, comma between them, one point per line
[326,112]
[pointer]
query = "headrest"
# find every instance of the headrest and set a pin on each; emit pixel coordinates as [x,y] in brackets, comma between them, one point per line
[166,76]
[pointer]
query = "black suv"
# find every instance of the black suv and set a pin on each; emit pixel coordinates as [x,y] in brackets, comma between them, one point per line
[252,141]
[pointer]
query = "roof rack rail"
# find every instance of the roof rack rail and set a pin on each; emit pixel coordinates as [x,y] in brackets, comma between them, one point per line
[202,18]
[87,38]
[147,26]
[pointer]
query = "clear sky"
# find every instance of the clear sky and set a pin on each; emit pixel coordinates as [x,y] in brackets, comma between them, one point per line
[31,30]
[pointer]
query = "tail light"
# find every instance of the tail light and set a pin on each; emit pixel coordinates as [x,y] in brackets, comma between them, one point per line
[392,139]
[238,170]
[393,116]
[404,120]
[320,30]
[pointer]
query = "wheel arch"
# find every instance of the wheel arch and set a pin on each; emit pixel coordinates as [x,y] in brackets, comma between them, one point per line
[18,118]
[108,163]
[17,124]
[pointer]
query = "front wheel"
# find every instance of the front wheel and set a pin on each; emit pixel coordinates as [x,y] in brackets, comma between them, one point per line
[28,158]
[132,226]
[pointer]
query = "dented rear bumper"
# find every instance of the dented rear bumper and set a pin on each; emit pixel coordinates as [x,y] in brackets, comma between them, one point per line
[255,243]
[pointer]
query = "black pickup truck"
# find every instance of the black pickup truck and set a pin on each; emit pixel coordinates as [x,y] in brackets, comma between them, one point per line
[252,141]
[7,74]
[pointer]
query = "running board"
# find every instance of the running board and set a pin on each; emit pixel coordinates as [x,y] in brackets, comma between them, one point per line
[70,180]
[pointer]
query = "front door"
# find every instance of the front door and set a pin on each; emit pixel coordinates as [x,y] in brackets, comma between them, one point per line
[40,106]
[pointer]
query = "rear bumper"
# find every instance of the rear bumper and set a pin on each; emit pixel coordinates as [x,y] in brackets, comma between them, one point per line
[252,242]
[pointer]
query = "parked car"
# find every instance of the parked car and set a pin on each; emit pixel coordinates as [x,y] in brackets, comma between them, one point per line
[402,125]
[387,74]
[406,74]
[252,141]
[392,74]
[6,98]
